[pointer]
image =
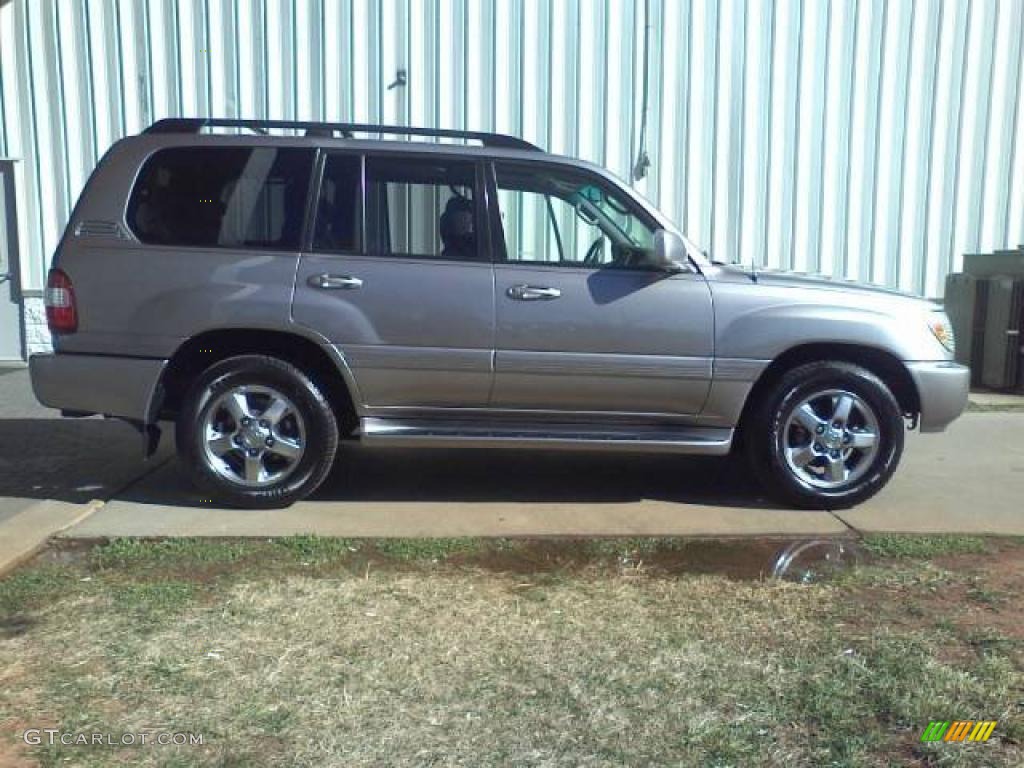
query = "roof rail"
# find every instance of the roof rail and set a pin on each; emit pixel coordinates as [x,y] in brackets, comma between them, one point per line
[196,124]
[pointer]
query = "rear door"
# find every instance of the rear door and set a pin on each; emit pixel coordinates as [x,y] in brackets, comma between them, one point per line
[584,323]
[398,277]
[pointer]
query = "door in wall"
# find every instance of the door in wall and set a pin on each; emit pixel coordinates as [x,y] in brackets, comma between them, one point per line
[10,308]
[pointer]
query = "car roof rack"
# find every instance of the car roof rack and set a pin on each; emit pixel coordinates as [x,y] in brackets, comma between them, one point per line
[312,128]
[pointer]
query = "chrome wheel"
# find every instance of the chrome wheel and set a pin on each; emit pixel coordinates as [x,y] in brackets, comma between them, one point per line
[830,439]
[253,436]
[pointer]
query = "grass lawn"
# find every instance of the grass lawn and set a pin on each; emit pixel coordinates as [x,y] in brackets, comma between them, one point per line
[317,652]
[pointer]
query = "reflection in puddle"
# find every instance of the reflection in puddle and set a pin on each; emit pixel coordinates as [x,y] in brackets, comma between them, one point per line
[815,560]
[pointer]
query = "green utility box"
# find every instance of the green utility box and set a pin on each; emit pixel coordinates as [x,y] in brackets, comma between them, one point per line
[1002,352]
[966,303]
[985,303]
[1008,263]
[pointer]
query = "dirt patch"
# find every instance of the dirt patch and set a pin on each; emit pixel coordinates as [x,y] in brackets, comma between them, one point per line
[980,602]
[66,551]
[993,601]
[13,755]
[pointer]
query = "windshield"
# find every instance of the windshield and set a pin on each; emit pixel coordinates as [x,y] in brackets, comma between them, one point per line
[615,213]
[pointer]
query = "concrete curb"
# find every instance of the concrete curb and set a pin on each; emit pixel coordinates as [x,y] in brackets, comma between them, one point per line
[27,532]
[414,519]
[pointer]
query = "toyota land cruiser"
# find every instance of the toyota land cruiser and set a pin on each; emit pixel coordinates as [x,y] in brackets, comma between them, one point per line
[274,288]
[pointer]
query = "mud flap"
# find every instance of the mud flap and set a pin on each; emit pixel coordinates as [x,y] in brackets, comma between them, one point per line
[150,440]
[150,434]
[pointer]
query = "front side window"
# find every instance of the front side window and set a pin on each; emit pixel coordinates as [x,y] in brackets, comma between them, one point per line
[222,197]
[558,216]
[422,207]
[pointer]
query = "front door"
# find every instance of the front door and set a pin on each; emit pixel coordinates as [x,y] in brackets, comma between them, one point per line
[399,281]
[584,323]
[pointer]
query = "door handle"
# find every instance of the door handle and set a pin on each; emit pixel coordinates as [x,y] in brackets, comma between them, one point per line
[532,293]
[335,282]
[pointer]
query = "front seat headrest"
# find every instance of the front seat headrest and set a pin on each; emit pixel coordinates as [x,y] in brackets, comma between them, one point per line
[456,227]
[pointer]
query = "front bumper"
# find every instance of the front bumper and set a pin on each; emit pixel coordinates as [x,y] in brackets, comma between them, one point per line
[115,386]
[942,387]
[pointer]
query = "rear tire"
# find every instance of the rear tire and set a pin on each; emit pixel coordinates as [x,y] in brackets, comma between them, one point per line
[827,435]
[256,432]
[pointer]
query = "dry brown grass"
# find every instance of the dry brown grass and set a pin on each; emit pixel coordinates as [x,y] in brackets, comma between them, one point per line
[442,665]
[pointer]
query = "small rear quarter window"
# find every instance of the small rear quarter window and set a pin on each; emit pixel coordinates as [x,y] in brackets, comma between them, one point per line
[222,197]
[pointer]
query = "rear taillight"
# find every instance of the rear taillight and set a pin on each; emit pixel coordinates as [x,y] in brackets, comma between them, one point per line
[61,314]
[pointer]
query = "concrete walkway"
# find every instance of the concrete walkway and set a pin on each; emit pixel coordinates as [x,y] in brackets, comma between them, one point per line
[968,480]
[55,472]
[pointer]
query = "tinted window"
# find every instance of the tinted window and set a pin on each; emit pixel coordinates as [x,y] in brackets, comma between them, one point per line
[563,217]
[338,205]
[422,207]
[224,197]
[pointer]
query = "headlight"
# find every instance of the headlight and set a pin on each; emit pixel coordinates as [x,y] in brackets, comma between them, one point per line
[942,329]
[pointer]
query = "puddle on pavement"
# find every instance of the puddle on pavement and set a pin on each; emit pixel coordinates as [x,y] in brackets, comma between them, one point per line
[800,560]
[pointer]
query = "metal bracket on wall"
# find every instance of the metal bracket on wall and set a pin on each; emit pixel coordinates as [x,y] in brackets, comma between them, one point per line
[401,78]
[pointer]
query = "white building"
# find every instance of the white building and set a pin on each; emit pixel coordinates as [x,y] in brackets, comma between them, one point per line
[864,139]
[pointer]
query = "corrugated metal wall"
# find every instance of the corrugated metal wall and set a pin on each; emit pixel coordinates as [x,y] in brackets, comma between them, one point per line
[862,138]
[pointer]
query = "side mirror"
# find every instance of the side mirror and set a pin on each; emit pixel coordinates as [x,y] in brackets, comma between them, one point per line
[669,251]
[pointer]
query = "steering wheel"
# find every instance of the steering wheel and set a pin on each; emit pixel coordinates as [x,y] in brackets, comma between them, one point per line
[594,252]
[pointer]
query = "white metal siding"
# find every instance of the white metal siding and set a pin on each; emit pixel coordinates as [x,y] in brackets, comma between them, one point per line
[862,138]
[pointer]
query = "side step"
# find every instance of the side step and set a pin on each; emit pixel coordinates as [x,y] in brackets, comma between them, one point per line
[428,433]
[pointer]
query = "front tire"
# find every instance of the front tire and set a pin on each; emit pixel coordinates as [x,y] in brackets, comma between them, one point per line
[827,435]
[256,432]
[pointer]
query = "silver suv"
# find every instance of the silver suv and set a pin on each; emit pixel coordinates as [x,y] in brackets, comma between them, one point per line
[276,293]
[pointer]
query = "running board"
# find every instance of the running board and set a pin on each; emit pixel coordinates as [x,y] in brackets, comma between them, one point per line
[425,433]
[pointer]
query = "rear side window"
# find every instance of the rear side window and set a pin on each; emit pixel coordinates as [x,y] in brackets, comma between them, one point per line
[222,197]
[423,207]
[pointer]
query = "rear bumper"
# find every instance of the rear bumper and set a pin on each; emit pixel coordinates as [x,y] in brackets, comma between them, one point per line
[115,386]
[942,387]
